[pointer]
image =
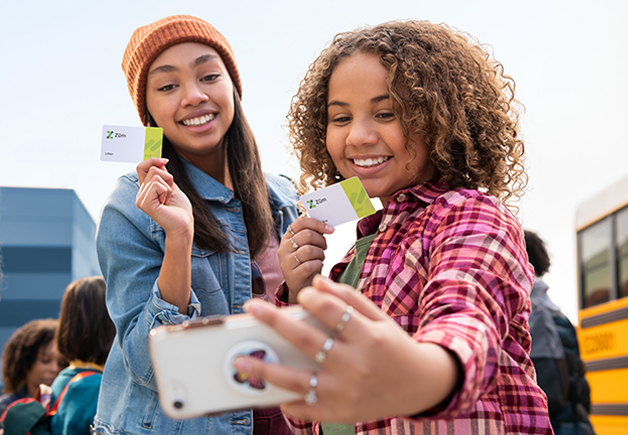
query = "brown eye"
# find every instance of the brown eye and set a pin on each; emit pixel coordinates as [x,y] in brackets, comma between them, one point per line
[341,119]
[210,77]
[166,88]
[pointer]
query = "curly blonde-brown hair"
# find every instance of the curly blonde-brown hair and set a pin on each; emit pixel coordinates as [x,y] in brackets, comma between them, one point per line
[444,86]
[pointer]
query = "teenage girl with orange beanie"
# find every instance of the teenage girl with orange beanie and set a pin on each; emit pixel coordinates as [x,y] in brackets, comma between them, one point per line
[188,233]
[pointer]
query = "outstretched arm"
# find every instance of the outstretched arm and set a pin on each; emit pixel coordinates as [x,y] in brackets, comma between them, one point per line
[369,367]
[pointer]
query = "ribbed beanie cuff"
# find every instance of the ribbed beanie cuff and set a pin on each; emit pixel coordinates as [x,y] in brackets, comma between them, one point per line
[148,42]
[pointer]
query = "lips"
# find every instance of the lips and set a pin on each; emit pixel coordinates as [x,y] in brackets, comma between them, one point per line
[369,162]
[199,121]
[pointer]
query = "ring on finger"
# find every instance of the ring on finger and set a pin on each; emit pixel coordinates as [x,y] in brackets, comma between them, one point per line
[297,258]
[344,319]
[294,244]
[322,354]
[290,229]
[310,397]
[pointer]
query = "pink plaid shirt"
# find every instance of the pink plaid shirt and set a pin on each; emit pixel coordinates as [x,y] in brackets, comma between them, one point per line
[450,267]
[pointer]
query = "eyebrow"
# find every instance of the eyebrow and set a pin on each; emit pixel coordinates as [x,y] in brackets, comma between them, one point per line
[170,68]
[202,59]
[373,101]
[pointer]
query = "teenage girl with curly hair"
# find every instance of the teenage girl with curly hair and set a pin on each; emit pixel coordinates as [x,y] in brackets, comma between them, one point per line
[436,338]
[30,358]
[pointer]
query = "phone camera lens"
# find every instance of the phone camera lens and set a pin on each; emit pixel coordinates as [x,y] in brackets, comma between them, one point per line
[178,404]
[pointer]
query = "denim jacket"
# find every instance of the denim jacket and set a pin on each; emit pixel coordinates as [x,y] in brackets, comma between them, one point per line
[130,251]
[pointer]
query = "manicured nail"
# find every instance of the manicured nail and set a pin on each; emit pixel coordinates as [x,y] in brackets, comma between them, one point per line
[253,308]
[305,295]
[242,365]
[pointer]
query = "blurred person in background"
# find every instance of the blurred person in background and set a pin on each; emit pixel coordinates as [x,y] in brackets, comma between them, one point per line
[84,338]
[555,352]
[30,358]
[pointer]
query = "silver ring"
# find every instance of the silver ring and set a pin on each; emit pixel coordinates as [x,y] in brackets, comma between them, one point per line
[310,397]
[290,229]
[344,319]
[297,258]
[294,244]
[322,354]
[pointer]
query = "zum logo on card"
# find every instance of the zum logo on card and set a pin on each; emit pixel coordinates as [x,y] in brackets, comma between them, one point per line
[312,203]
[112,135]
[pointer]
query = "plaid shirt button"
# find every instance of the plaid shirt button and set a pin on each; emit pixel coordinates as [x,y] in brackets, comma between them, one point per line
[401,197]
[382,227]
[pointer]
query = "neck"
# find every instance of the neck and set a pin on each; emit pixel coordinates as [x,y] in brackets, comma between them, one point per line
[77,364]
[213,164]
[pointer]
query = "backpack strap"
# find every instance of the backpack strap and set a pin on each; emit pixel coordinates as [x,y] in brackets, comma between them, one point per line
[76,377]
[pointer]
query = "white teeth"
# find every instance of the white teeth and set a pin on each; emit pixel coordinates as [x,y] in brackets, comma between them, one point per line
[370,162]
[195,122]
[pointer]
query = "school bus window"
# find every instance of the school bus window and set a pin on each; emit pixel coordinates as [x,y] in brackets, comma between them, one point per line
[622,251]
[596,268]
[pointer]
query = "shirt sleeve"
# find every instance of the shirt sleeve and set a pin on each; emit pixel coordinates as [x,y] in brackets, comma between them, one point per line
[477,285]
[130,258]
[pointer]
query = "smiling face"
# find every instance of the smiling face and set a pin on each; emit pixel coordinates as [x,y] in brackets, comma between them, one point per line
[47,366]
[364,137]
[189,94]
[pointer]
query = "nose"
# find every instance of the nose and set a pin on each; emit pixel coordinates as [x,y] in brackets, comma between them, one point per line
[193,95]
[361,132]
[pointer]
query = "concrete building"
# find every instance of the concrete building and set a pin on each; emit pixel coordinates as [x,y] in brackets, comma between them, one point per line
[46,242]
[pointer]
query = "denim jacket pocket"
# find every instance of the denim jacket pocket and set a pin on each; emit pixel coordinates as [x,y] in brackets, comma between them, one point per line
[207,274]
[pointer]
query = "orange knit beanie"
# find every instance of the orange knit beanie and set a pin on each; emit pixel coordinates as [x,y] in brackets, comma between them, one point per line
[148,42]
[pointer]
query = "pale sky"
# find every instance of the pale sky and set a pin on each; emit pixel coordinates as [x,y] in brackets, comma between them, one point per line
[61,81]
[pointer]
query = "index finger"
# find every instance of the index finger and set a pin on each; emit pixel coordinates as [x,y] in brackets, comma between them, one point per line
[143,168]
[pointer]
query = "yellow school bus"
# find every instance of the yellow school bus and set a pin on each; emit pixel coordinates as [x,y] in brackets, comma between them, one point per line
[602,239]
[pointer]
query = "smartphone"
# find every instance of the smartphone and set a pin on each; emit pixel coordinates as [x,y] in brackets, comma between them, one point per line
[193,363]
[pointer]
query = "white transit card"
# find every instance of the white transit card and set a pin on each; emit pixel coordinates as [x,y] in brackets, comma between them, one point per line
[130,144]
[339,203]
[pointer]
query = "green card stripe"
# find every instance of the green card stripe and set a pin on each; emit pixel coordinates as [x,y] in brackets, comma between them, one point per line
[153,142]
[357,197]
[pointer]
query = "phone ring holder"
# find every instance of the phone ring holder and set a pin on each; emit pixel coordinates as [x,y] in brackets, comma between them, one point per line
[242,382]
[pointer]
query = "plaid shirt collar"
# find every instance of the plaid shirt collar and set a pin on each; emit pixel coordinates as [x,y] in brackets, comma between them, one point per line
[425,192]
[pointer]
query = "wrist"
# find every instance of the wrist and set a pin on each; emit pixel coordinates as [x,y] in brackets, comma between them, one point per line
[181,239]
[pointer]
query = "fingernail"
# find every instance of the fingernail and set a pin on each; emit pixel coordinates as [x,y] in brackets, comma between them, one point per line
[320,277]
[329,228]
[253,308]
[242,365]
[305,294]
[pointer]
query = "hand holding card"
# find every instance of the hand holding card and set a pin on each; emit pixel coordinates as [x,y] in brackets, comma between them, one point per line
[339,203]
[130,144]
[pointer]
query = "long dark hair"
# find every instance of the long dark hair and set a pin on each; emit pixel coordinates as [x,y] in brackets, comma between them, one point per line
[85,331]
[249,186]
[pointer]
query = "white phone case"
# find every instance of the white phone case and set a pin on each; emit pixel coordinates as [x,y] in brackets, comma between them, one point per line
[193,363]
